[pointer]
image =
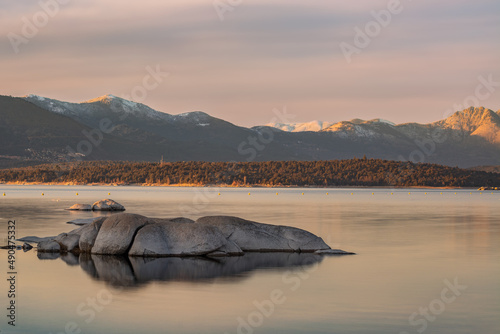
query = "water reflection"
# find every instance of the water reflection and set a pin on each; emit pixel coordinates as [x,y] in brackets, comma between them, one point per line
[123,271]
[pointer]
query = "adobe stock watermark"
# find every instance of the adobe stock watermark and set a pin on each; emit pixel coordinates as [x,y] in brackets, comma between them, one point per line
[31,26]
[221,7]
[363,37]
[264,309]
[437,306]
[153,78]
[87,311]
[265,135]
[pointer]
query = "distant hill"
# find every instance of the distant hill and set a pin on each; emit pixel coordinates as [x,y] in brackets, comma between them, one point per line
[39,130]
[353,172]
[490,169]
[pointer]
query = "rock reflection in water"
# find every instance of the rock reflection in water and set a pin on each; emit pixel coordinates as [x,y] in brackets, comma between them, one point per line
[123,271]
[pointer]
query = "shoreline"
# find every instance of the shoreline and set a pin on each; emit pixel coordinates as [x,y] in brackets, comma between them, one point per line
[187,185]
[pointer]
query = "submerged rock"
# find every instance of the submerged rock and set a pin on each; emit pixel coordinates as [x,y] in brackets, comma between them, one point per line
[35,239]
[81,207]
[83,221]
[136,235]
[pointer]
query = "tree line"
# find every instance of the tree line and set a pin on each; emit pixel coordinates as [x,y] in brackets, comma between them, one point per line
[352,172]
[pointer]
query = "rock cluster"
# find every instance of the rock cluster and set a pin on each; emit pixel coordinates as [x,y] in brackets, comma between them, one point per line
[136,235]
[102,205]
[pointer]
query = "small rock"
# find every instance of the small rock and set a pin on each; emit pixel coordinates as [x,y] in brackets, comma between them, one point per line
[107,205]
[49,246]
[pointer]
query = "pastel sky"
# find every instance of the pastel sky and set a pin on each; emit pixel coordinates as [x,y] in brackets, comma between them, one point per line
[263,55]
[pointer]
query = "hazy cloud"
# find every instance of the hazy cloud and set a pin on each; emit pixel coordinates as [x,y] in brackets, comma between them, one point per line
[260,57]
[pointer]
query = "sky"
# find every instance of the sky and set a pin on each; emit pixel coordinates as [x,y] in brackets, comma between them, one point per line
[241,60]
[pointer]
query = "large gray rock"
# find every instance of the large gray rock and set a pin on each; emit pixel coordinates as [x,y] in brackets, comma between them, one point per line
[169,238]
[81,207]
[252,236]
[107,205]
[117,232]
[136,235]
[88,234]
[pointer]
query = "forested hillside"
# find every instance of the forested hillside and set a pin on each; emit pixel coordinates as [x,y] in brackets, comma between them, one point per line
[353,172]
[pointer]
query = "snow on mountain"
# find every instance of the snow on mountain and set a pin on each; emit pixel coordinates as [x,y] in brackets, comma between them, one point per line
[111,104]
[195,117]
[318,126]
[347,129]
[481,122]
[301,127]
[58,107]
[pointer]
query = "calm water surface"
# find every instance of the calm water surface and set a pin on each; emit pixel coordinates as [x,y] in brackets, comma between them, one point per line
[411,247]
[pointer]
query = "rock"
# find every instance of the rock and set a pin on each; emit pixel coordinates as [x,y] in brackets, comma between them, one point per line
[88,234]
[107,205]
[180,220]
[136,235]
[27,247]
[117,232]
[70,243]
[35,239]
[333,252]
[230,248]
[168,238]
[83,221]
[81,207]
[49,246]
[252,236]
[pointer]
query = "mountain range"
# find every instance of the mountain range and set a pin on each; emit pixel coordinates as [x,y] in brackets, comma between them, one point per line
[36,129]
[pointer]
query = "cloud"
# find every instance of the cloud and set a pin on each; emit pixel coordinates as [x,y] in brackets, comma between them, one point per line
[260,57]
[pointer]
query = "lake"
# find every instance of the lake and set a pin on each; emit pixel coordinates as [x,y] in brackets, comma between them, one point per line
[427,261]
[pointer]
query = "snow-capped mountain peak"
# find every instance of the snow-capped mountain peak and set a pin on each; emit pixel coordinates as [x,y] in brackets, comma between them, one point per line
[301,127]
[36,97]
